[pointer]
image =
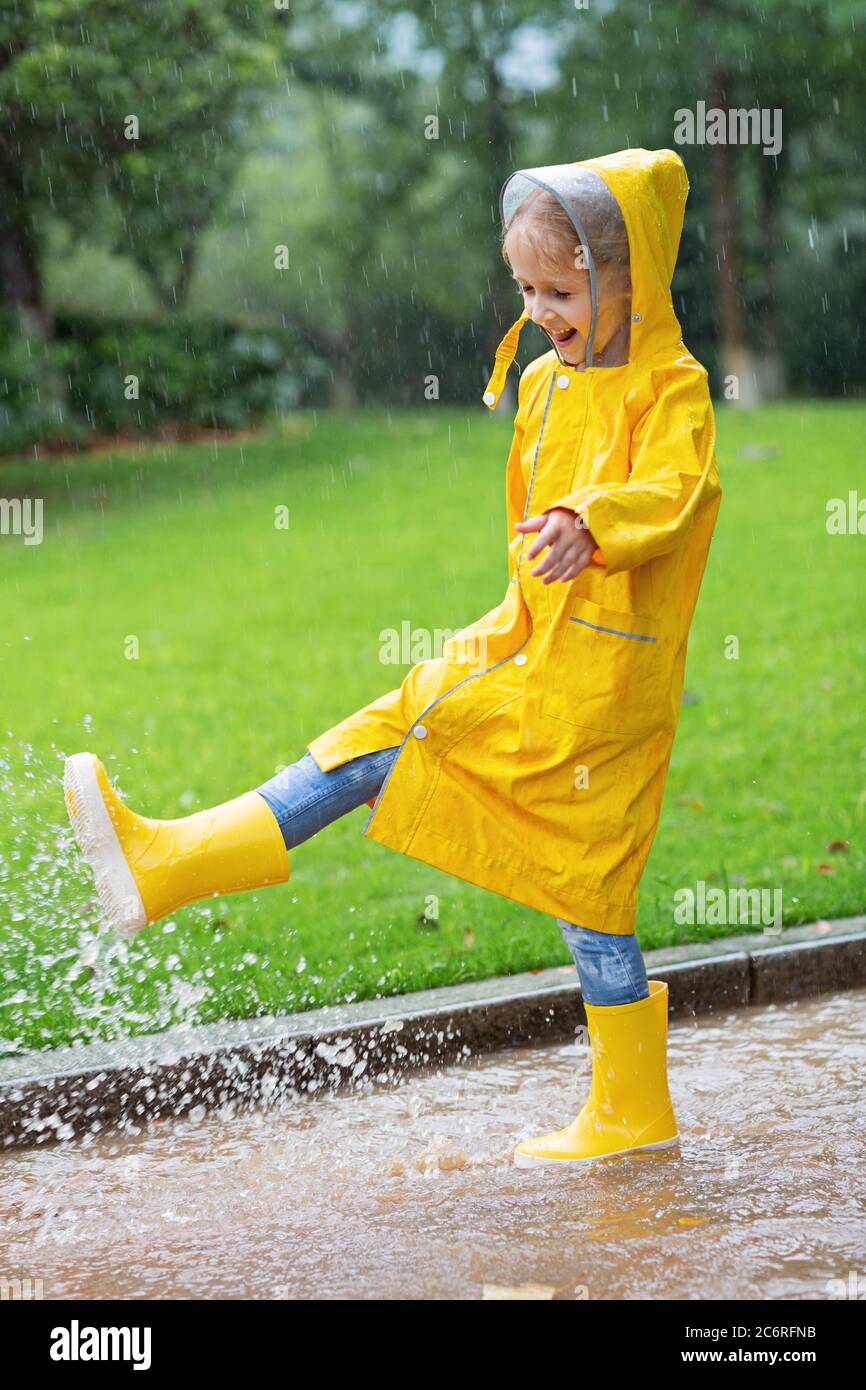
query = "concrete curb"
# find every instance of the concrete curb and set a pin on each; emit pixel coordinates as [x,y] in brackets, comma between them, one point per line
[65,1092]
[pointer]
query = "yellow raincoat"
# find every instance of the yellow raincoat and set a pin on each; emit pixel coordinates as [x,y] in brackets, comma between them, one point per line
[533,753]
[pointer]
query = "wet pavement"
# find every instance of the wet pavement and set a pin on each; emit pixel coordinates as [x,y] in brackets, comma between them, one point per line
[408,1191]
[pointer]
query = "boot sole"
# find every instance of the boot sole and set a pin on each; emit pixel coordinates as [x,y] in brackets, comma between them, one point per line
[530,1161]
[119,899]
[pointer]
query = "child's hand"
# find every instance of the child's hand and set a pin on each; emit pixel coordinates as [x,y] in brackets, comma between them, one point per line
[571,543]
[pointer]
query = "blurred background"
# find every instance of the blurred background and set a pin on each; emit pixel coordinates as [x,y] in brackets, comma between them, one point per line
[256,208]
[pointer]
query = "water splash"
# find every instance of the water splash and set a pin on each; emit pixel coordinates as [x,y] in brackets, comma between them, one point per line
[65,975]
[410,1190]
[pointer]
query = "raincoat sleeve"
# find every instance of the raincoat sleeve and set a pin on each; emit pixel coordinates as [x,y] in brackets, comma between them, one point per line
[672,475]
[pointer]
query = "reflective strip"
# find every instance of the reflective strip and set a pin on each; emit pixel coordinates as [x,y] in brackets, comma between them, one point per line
[532,474]
[635,636]
[445,693]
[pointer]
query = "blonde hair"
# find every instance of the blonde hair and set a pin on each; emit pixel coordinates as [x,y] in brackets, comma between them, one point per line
[544,222]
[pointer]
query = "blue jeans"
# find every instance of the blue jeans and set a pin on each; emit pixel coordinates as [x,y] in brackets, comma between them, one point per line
[304,799]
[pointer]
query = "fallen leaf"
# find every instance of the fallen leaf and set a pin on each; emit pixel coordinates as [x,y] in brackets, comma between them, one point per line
[451,1163]
[826,869]
[691,1220]
[696,805]
[838,847]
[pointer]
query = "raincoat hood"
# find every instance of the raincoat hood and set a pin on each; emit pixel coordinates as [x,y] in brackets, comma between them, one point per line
[644,189]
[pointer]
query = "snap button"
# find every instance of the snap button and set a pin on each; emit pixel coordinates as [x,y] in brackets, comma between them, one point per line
[521,659]
[635,318]
[562,382]
[489,397]
[419,731]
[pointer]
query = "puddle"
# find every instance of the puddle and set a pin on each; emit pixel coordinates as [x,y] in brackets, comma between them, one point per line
[409,1191]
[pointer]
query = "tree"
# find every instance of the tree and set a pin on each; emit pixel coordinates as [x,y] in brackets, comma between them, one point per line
[143,107]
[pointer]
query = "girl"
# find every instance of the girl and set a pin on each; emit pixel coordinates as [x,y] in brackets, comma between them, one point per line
[530,758]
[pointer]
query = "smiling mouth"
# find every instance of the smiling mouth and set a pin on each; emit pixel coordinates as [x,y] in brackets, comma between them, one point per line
[562,338]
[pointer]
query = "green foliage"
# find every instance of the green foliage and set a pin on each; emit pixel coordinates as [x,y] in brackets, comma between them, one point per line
[75,74]
[209,374]
[308,129]
[29,412]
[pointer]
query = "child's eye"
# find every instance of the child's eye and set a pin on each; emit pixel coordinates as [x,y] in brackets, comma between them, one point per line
[528,289]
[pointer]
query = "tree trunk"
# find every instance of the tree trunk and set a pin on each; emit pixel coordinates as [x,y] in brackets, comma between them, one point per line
[773,377]
[498,150]
[174,296]
[737,359]
[21,289]
[20,282]
[344,393]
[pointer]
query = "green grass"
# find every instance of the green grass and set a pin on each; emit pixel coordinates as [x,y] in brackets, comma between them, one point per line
[252,640]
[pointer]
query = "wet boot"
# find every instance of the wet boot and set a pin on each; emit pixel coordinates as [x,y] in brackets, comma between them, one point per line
[146,869]
[629,1106]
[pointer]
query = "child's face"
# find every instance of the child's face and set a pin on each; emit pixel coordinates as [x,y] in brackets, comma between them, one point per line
[562,306]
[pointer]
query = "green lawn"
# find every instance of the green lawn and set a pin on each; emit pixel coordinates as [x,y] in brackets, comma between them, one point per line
[252,640]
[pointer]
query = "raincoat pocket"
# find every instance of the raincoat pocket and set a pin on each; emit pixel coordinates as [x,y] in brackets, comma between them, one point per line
[609,671]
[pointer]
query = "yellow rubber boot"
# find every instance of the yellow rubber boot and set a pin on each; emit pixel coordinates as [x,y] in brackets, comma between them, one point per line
[146,869]
[629,1106]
